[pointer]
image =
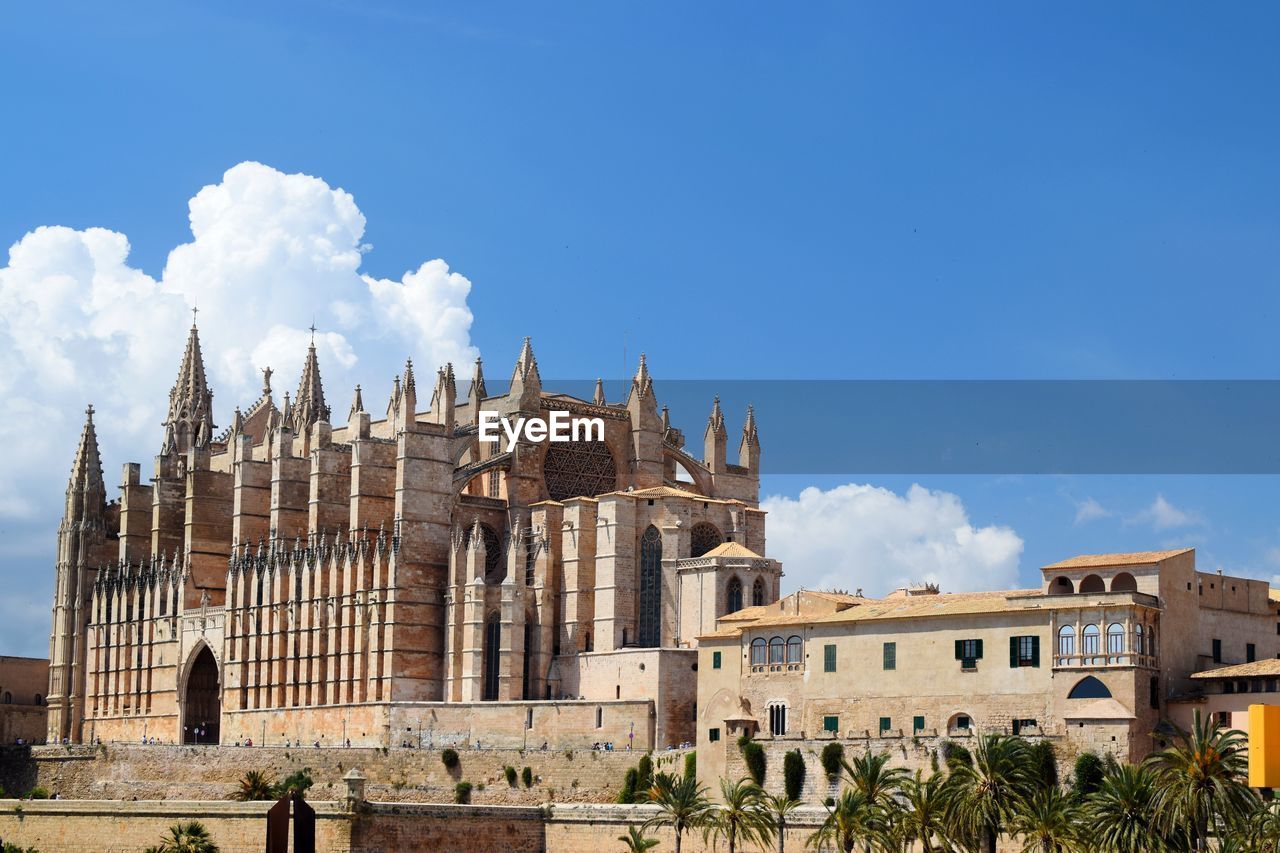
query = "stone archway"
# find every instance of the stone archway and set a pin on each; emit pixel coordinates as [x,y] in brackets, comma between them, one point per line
[202,700]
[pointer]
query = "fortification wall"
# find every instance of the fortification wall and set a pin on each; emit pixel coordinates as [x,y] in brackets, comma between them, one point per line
[119,772]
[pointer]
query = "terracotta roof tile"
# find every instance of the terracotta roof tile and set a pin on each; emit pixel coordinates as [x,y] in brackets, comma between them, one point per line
[1267,667]
[1136,558]
[732,549]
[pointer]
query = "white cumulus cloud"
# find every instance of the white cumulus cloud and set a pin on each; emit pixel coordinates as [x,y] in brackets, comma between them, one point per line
[864,536]
[269,253]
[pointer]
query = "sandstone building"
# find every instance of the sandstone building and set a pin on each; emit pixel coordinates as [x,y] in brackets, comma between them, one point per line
[1096,658]
[23,685]
[391,580]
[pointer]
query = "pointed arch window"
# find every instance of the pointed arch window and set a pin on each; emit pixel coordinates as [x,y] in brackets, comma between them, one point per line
[703,538]
[650,588]
[734,596]
[757,593]
[492,645]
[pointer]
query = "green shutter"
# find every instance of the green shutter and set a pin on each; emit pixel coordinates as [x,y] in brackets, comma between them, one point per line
[1013,652]
[890,655]
[959,649]
[831,724]
[715,660]
[829,658]
[1035,650]
[885,723]
[917,724]
[978,655]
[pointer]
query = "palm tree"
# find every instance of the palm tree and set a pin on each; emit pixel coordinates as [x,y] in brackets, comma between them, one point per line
[743,815]
[189,837]
[637,841]
[682,804]
[923,806]
[254,785]
[851,820]
[874,778]
[985,795]
[1047,822]
[1264,826]
[780,807]
[1200,781]
[1120,815]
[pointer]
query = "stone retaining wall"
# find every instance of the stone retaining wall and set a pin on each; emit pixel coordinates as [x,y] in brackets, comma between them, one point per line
[120,771]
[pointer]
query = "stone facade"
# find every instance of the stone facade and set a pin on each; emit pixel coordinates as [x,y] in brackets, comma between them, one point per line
[1095,660]
[295,579]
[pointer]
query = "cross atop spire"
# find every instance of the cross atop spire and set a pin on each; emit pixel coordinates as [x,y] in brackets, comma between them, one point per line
[86,470]
[195,309]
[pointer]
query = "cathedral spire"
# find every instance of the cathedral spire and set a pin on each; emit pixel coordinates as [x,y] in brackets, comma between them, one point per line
[86,472]
[308,406]
[526,382]
[190,420]
[357,403]
[643,383]
[715,440]
[478,390]
[749,448]
[598,399]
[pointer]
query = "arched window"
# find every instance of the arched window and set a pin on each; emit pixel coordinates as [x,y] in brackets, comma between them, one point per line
[587,642]
[492,644]
[794,650]
[39,699]
[8,698]
[1066,640]
[735,596]
[777,650]
[1124,582]
[759,652]
[757,593]
[1139,641]
[1115,640]
[1151,640]
[960,724]
[703,538]
[1092,583]
[1089,688]
[650,587]
[495,568]
[1061,586]
[1089,639]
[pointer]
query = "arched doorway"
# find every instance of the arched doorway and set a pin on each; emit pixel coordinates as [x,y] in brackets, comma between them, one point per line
[203,703]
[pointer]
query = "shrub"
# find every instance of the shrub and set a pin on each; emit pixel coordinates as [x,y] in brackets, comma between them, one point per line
[13,848]
[753,755]
[462,793]
[954,755]
[298,780]
[510,773]
[691,765]
[39,792]
[1044,764]
[628,792]
[644,773]
[1089,772]
[793,774]
[450,758]
[526,776]
[832,755]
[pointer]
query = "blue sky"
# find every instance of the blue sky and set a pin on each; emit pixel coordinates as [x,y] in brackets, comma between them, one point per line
[834,191]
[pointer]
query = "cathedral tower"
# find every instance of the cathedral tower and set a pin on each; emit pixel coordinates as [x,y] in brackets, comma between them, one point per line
[81,548]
